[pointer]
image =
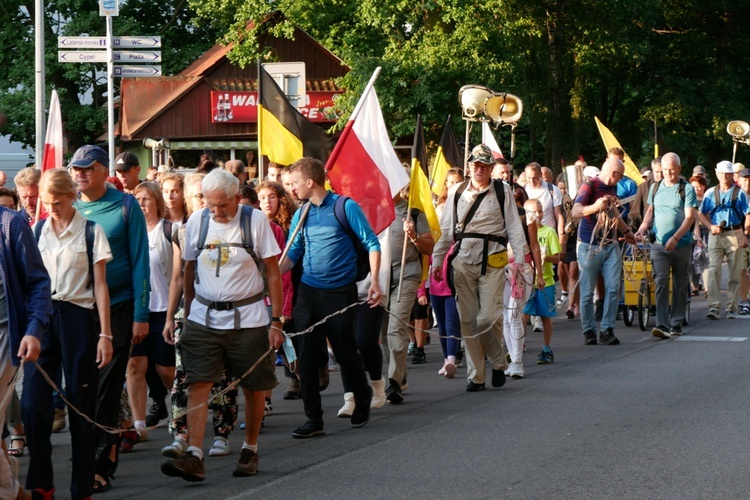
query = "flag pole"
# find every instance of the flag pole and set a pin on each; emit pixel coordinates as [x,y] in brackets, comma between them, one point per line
[260,152]
[403,251]
[300,225]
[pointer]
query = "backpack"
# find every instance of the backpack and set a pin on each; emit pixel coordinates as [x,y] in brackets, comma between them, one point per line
[363,256]
[246,216]
[90,234]
[733,206]
[681,190]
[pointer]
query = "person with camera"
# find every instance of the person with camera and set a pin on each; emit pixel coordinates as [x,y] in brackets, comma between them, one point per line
[671,214]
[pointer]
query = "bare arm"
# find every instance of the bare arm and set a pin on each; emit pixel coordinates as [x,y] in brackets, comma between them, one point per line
[275,334]
[188,285]
[374,294]
[101,295]
[175,293]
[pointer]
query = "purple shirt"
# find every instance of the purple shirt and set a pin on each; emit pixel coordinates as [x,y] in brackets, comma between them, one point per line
[587,196]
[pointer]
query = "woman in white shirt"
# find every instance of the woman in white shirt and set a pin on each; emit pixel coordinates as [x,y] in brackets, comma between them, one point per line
[74,251]
[173,189]
[154,348]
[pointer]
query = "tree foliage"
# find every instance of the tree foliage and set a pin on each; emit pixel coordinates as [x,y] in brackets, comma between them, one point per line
[82,87]
[680,64]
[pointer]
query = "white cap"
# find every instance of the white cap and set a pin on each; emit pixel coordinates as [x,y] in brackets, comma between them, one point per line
[724,167]
[591,171]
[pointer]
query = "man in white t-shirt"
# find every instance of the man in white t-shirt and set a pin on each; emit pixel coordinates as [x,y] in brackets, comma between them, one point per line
[226,316]
[548,195]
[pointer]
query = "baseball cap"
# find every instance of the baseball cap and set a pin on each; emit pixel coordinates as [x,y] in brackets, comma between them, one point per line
[724,167]
[87,155]
[163,169]
[125,161]
[591,171]
[738,167]
[699,170]
[745,172]
[482,154]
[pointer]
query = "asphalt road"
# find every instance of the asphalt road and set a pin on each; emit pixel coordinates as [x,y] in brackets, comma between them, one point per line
[646,419]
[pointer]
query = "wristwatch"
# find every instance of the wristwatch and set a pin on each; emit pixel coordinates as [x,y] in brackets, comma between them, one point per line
[280,319]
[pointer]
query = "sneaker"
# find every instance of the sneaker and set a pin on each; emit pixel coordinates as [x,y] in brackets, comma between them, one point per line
[498,378]
[58,424]
[744,308]
[608,337]
[570,314]
[515,370]
[676,331]
[156,413]
[189,467]
[545,358]
[333,366]
[219,448]
[293,391]
[247,465]
[310,429]
[731,314]
[589,337]
[562,300]
[450,370]
[419,357]
[661,332]
[474,387]
[175,450]
[537,322]
[268,408]
[393,393]
[410,352]
[129,438]
[713,314]
[142,434]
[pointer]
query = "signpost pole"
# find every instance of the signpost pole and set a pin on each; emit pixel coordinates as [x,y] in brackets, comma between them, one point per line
[110,98]
[39,80]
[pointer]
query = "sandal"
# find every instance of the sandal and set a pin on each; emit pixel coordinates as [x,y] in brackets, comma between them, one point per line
[101,487]
[15,451]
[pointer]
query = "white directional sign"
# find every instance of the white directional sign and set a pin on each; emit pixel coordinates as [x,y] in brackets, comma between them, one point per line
[100,56]
[100,42]
[133,71]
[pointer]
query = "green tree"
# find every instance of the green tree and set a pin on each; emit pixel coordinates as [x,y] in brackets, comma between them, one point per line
[82,87]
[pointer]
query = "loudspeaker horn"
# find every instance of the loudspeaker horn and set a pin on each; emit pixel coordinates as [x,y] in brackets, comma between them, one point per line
[472,99]
[738,128]
[504,108]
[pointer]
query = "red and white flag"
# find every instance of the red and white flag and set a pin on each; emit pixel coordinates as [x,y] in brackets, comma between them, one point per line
[488,139]
[53,143]
[364,165]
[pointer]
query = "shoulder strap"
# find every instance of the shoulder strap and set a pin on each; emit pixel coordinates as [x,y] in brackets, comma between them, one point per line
[656,188]
[457,196]
[246,217]
[717,197]
[127,203]
[339,211]
[167,228]
[90,235]
[203,230]
[550,189]
[500,193]
[38,229]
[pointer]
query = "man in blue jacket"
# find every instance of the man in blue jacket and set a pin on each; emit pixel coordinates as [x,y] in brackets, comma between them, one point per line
[25,308]
[128,276]
[329,270]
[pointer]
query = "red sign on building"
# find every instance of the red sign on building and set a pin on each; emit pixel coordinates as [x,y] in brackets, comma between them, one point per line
[241,107]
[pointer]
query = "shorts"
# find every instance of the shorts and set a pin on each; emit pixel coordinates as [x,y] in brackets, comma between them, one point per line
[570,250]
[204,350]
[154,346]
[419,311]
[541,303]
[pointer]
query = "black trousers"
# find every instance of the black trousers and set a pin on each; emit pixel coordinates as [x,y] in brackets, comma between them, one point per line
[72,340]
[111,380]
[313,304]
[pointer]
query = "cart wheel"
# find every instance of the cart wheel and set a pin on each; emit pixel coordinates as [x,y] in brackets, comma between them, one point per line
[629,316]
[644,306]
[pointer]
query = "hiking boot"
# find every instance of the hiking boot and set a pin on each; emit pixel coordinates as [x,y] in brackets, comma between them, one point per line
[589,337]
[608,337]
[419,357]
[713,314]
[310,429]
[474,387]
[393,394]
[731,314]
[247,465]
[661,332]
[175,450]
[293,391]
[156,413]
[189,467]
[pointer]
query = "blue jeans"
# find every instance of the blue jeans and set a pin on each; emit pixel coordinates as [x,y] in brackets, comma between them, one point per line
[449,325]
[592,260]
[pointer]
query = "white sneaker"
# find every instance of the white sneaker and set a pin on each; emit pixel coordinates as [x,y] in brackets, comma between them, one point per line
[516,370]
[175,450]
[537,322]
[220,448]
[142,434]
[348,408]
[333,366]
[378,393]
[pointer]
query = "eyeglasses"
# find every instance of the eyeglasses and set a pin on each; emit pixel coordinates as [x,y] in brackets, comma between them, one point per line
[88,172]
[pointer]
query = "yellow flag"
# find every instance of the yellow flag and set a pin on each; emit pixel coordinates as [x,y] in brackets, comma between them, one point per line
[420,194]
[631,170]
[448,156]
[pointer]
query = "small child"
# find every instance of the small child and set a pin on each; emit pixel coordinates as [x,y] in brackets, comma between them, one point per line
[542,302]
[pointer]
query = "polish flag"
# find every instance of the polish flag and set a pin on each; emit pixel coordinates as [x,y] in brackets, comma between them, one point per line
[53,143]
[488,139]
[364,165]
